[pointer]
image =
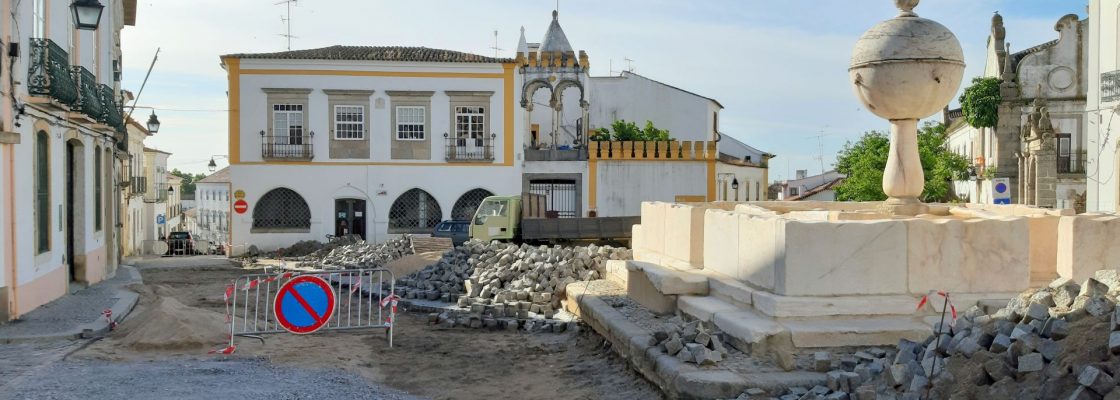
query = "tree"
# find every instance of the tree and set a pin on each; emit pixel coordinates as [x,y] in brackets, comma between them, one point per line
[980,102]
[629,131]
[865,160]
[189,180]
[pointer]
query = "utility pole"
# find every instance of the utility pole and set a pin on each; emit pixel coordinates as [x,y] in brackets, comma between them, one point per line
[288,21]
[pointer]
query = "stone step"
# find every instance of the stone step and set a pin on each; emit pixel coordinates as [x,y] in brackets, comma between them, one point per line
[703,308]
[731,291]
[840,332]
[747,327]
[670,281]
[779,306]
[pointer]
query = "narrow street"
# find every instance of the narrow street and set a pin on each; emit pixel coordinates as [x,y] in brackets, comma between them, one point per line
[149,357]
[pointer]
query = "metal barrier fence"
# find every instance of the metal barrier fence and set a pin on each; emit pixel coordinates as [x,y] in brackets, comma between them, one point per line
[364,299]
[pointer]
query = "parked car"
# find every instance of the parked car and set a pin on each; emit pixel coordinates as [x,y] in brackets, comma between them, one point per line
[458,231]
[181,244]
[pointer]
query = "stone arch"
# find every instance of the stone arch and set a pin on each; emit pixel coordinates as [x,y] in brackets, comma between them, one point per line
[281,210]
[530,89]
[558,92]
[468,203]
[414,211]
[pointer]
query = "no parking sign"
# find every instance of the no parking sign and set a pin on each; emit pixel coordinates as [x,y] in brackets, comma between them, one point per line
[304,304]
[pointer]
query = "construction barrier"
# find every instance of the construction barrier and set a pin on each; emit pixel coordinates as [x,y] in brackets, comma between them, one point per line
[362,299]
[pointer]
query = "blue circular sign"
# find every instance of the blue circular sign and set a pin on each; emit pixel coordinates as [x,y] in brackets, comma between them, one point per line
[1001,187]
[160,219]
[304,304]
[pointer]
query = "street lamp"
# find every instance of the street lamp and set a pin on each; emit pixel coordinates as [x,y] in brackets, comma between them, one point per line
[213,166]
[153,122]
[170,189]
[735,187]
[87,14]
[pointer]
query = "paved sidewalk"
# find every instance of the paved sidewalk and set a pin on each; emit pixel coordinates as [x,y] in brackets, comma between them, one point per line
[77,315]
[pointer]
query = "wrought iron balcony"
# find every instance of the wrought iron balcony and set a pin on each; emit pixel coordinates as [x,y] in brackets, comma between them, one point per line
[292,147]
[1110,86]
[1072,165]
[111,113]
[463,149]
[89,98]
[49,72]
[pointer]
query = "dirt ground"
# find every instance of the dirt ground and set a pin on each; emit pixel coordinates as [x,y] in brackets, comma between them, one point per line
[181,307]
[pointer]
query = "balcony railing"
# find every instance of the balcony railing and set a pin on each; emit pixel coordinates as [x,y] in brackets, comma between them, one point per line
[1110,86]
[287,146]
[49,72]
[111,113]
[470,149]
[89,98]
[158,194]
[1072,165]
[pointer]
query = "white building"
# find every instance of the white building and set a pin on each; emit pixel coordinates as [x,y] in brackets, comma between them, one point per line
[379,141]
[155,215]
[213,212]
[61,138]
[819,187]
[1103,106]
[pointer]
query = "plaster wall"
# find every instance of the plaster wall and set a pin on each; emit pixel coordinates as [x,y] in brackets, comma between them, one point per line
[255,113]
[636,98]
[1087,243]
[623,185]
[1102,121]
[319,185]
[752,182]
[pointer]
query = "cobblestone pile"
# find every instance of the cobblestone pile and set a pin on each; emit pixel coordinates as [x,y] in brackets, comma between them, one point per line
[693,342]
[1057,342]
[509,274]
[358,254]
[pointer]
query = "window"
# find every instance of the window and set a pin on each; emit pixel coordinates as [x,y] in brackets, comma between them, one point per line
[469,123]
[349,122]
[39,19]
[757,190]
[97,188]
[42,193]
[287,123]
[793,191]
[410,122]
[415,211]
[467,204]
[282,208]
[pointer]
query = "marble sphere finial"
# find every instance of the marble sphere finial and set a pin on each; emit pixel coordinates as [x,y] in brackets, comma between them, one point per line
[907,7]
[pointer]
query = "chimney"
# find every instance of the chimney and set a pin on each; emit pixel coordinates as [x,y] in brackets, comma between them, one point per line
[802,173]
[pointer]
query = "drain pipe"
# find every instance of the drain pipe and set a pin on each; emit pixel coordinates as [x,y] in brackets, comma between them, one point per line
[9,169]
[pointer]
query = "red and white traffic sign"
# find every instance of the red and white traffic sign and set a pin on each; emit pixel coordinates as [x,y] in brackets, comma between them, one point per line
[304,304]
[241,206]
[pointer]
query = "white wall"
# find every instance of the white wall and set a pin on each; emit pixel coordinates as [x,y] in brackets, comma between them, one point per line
[636,98]
[320,185]
[624,185]
[1102,121]
[752,182]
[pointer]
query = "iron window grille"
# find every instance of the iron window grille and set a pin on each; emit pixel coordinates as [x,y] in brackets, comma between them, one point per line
[1110,86]
[415,211]
[468,203]
[281,208]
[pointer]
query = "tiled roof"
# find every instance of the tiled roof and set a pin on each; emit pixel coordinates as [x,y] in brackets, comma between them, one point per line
[376,53]
[221,176]
[809,193]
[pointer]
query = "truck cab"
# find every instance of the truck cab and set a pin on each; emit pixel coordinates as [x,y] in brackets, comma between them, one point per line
[497,218]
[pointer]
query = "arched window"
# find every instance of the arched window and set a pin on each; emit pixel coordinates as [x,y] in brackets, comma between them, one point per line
[282,209]
[97,188]
[42,193]
[467,204]
[415,211]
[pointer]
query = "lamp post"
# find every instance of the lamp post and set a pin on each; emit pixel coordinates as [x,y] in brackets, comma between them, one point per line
[87,14]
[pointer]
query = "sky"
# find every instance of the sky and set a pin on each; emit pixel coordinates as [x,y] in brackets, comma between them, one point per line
[779,67]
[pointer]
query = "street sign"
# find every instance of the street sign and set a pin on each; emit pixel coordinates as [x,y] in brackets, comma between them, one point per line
[304,304]
[239,194]
[1001,191]
[160,219]
[241,206]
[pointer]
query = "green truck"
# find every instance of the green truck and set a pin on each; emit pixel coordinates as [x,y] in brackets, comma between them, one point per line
[525,219]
